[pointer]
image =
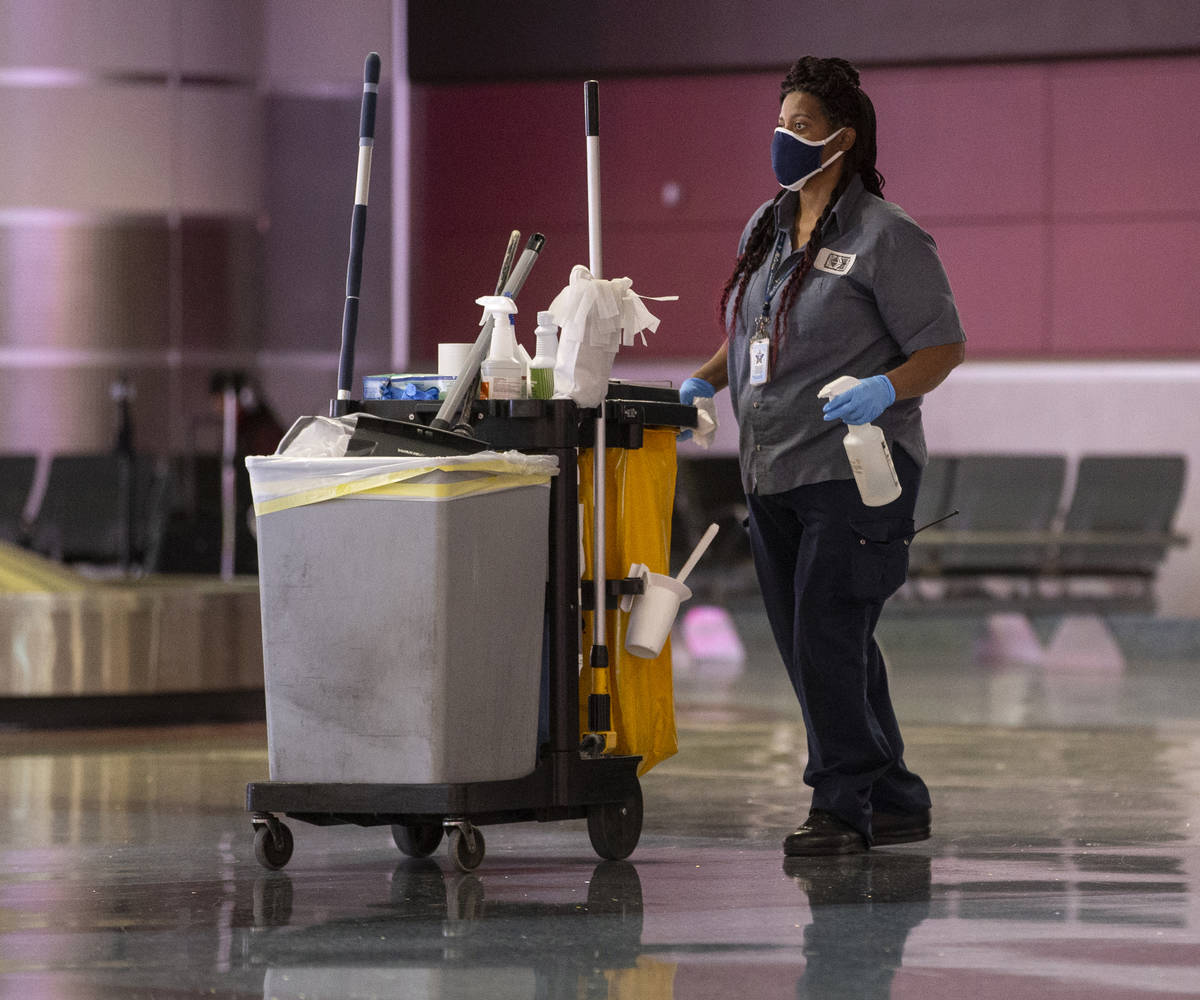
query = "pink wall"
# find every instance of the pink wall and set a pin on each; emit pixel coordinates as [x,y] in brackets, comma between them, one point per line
[1065,196]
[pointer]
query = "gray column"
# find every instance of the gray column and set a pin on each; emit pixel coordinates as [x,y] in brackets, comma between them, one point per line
[131,200]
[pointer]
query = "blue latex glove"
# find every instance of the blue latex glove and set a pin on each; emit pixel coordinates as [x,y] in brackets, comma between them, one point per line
[412,391]
[863,403]
[694,388]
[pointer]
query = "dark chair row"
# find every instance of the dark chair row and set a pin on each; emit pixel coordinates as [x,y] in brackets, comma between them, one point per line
[1035,522]
[708,488]
[1047,526]
[16,483]
[149,512]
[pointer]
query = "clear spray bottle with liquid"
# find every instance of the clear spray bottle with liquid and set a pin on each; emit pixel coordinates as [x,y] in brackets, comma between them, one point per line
[867,449]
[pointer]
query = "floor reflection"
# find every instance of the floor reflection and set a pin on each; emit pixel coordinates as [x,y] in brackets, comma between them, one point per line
[1065,862]
[436,934]
[439,936]
[863,908]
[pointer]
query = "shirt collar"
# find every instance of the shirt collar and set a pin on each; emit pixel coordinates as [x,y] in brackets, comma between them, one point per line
[785,208]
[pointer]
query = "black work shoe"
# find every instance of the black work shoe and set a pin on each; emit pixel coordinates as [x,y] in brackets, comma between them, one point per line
[900,828]
[824,833]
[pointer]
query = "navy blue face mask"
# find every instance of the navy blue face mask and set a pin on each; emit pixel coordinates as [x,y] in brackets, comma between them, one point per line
[796,160]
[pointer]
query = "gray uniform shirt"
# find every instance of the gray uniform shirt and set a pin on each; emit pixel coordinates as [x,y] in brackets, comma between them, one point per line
[876,293]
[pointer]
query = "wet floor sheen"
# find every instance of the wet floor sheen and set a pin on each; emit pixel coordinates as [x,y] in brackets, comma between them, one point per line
[1065,862]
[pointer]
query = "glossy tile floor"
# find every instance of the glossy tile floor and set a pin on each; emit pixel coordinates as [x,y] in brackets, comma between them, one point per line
[1065,860]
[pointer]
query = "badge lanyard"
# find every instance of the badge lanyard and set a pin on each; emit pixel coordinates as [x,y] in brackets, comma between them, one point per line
[760,339]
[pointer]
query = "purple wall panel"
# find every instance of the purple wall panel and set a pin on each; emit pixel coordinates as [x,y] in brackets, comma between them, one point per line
[1126,289]
[497,152]
[1126,204]
[1126,138]
[1065,197]
[1001,285]
[709,137]
[557,40]
[487,160]
[963,141]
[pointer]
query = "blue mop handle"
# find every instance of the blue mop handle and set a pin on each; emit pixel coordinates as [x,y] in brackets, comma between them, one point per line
[358,224]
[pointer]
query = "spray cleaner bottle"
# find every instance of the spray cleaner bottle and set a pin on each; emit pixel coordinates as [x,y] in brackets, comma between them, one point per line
[500,373]
[541,368]
[868,452]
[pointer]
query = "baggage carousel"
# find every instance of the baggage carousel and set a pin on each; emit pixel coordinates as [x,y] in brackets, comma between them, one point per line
[80,650]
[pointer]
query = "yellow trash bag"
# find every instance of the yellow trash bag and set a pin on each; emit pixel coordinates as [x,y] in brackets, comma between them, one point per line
[638,503]
[649,979]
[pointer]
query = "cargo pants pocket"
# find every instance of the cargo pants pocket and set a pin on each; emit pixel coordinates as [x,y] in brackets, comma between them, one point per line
[879,557]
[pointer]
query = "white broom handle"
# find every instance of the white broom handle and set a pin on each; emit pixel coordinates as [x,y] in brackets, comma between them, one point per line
[592,110]
[591,106]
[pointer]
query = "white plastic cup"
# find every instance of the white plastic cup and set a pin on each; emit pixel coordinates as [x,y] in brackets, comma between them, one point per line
[452,357]
[653,614]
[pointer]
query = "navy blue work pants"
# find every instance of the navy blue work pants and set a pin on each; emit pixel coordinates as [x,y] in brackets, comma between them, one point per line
[826,563]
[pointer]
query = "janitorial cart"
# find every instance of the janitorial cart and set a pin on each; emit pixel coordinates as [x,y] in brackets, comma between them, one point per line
[423,607]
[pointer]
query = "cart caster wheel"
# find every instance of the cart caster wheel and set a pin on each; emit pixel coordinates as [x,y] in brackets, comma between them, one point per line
[273,850]
[466,847]
[614,827]
[417,840]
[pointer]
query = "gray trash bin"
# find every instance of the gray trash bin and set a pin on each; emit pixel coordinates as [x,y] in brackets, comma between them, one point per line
[402,613]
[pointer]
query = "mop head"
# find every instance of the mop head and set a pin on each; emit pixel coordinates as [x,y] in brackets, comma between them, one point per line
[597,316]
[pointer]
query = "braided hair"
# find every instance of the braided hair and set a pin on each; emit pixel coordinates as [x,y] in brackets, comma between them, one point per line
[835,84]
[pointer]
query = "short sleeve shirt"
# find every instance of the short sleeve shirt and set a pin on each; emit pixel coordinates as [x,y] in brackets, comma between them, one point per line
[877,292]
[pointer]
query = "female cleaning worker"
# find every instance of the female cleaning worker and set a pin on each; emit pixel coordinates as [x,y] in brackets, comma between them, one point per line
[832,280]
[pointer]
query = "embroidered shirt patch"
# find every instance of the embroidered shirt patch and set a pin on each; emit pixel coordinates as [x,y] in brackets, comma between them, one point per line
[832,262]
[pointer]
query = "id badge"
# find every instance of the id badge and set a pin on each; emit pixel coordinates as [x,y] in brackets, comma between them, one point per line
[760,354]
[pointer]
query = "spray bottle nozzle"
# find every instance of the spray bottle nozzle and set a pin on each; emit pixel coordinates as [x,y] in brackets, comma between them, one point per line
[497,303]
[843,383]
[839,385]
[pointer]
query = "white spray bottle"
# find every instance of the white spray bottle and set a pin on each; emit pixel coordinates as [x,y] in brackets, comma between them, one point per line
[500,373]
[868,452]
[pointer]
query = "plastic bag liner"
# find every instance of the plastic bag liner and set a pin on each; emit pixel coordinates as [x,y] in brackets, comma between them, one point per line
[638,504]
[281,482]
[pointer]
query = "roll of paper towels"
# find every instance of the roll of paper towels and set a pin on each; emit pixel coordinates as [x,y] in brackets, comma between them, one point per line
[452,357]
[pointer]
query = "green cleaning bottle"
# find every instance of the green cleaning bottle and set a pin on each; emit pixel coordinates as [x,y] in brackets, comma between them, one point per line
[541,368]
